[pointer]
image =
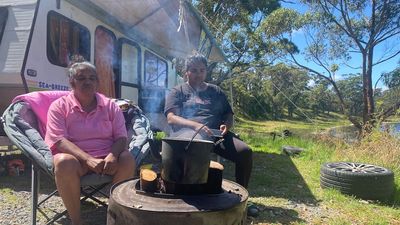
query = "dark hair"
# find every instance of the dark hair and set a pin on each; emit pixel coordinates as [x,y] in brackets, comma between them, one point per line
[77,63]
[194,59]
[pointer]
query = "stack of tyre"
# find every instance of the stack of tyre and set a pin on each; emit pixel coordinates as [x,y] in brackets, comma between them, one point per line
[361,180]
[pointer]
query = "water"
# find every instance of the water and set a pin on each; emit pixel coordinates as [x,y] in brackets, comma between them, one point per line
[392,128]
[350,133]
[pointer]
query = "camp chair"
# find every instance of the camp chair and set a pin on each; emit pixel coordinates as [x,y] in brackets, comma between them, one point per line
[142,144]
[22,124]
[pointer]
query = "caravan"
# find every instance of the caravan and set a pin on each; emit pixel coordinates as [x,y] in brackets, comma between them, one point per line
[133,44]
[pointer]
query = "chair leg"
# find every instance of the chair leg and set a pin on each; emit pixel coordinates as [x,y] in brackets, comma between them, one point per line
[92,192]
[34,193]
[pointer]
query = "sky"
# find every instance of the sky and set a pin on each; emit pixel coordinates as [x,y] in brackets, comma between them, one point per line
[356,60]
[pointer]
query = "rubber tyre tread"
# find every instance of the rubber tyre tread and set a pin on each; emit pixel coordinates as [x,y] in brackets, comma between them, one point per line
[369,194]
[356,188]
[358,182]
[374,186]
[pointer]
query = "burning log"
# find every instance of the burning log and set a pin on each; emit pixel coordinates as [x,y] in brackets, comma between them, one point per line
[214,181]
[148,180]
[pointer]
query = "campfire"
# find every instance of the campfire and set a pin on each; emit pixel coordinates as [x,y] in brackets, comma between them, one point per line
[183,193]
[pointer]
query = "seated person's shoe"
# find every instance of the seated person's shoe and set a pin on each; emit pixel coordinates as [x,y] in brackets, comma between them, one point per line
[252,210]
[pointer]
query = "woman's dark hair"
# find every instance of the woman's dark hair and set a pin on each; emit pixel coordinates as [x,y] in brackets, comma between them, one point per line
[77,63]
[194,59]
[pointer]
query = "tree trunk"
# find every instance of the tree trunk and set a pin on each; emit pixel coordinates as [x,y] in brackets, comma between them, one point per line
[368,100]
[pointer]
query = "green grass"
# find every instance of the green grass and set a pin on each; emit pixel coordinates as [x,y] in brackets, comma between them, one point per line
[287,189]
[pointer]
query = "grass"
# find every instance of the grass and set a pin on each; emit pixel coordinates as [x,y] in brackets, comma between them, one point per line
[286,188]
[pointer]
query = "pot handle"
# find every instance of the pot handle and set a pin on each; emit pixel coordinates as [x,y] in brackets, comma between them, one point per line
[219,142]
[197,131]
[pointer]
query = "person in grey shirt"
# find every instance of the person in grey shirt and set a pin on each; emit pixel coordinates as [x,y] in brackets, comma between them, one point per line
[197,105]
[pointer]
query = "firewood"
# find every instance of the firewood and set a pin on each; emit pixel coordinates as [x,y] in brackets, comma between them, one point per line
[148,180]
[214,181]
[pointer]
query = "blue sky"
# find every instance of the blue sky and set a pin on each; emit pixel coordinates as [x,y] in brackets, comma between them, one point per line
[356,58]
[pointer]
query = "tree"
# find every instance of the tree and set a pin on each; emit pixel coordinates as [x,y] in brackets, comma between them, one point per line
[352,86]
[334,30]
[321,98]
[234,23]
[287,87]
[389,101]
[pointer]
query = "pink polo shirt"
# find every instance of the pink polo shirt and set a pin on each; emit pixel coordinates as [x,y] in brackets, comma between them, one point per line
[93,132]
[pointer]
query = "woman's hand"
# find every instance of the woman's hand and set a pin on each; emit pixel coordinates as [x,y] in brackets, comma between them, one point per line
[96,165]
[224,129]
[110,164]
[203,128]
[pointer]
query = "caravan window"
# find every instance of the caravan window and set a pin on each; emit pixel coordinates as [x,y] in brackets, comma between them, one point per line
[155,71]
[129,63]
[66,38]
[3,20]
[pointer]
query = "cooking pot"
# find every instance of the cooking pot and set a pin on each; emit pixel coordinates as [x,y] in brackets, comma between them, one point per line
[185,160]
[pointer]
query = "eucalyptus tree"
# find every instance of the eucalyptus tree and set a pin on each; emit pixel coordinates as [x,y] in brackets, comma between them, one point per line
[320,98]
[233,22]
[251,96]
[335,30]
[352,86]
[287,87]
[389,101]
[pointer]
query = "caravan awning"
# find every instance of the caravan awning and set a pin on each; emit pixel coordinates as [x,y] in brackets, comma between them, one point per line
[173,26]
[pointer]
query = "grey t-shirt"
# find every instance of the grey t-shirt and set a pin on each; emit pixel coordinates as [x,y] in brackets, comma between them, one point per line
[208,107]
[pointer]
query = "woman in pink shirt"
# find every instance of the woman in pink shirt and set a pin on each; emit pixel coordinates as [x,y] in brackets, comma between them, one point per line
[86,133]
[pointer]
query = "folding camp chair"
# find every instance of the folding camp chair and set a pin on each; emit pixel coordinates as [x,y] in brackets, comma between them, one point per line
[142,144]
[21,125]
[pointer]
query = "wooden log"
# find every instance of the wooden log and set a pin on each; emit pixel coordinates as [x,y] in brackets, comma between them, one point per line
[214,181]
[148,180]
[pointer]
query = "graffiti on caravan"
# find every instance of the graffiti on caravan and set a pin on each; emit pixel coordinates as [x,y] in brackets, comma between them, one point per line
[53,86]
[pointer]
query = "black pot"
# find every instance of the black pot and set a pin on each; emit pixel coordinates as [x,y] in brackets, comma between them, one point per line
[185,161]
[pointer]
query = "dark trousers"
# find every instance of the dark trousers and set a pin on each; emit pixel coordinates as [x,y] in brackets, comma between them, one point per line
[235,150]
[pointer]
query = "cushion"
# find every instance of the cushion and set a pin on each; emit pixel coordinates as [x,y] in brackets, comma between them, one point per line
[40,102]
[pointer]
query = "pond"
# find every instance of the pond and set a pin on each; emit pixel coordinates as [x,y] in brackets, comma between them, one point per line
[392,128]
[350,133]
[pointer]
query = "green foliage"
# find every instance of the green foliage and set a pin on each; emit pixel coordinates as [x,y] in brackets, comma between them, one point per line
[287,189]
[321,99]
[158,136]
[334,31]
[234,22]
[352,86]
[392,79]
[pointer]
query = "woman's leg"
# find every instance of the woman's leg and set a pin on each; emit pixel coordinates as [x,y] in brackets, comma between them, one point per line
[68,172]
[235,150]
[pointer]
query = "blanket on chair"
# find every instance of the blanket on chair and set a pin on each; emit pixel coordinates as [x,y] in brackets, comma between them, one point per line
[40,102]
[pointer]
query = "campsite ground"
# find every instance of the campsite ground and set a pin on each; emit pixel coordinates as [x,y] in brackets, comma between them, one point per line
[285,188]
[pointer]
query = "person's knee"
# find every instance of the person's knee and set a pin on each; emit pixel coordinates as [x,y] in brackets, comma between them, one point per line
[245,156]
[65,164]
[247,152]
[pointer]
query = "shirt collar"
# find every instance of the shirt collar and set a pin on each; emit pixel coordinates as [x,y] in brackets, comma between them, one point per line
[75,103]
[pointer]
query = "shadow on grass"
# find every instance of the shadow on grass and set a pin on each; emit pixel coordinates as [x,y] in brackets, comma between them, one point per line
[275,176]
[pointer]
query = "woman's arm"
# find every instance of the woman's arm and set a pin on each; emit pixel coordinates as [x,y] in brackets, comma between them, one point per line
[178,121]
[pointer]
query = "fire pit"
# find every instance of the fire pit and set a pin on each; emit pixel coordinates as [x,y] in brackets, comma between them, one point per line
[129,205]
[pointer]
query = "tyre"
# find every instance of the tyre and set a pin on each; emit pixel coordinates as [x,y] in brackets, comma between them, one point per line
[361,180]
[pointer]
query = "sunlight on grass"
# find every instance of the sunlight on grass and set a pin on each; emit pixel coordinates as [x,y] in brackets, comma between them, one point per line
[279,179]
